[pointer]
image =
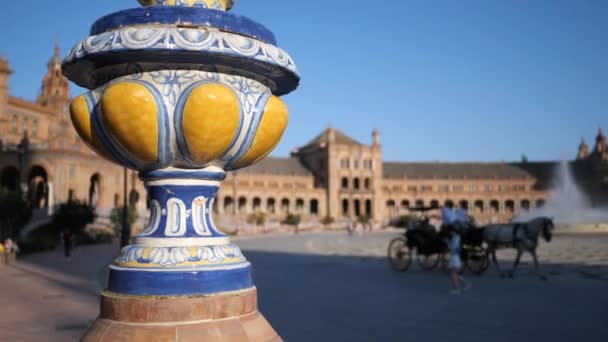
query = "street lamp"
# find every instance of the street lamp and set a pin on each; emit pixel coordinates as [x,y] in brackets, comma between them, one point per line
[22,149]
[126,231]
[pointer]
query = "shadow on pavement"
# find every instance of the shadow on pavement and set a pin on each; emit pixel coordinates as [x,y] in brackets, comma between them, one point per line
[309,297]
[341,298]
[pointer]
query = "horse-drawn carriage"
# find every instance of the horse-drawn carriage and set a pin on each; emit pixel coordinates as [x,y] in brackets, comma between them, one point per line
[426,243]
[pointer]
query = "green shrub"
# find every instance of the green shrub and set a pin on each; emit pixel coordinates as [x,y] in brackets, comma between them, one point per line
[73,216]
[364,219]
[15,212]
[116,219]
[327,220]
[44,238]
[292,220]
[95,235]
[257,219]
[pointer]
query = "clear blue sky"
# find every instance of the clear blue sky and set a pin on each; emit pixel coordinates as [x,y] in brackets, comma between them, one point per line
[442,80]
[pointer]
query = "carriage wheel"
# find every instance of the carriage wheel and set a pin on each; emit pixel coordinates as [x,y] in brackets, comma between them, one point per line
[477,261]
[427,262]
[399,254]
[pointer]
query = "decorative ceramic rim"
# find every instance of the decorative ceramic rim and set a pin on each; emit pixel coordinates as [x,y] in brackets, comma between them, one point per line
[135,256]
[183,16]
[197,43]
[229,4]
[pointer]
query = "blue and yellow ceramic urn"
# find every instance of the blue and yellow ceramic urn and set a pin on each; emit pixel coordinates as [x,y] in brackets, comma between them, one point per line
[182,91]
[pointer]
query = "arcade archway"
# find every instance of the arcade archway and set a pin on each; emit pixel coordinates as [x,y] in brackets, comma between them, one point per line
[38,187]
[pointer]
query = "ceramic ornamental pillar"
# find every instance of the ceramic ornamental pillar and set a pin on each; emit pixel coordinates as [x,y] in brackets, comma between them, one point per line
[181,91]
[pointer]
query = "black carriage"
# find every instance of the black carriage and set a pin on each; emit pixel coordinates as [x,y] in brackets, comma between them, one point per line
[425,242]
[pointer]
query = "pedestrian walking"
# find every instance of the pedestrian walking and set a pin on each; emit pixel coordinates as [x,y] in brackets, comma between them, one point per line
[67,243]
[453,241]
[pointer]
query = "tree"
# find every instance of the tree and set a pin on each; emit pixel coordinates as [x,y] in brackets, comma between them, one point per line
[116,219]
[327,220]
[364,219]
[74,216]
[292,220]
[15,212]
[257,219]
[524,158]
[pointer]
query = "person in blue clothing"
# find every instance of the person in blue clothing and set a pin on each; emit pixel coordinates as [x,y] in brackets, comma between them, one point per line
[453,242]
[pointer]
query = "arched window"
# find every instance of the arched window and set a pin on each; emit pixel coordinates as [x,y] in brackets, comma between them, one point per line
[494,206]
[228,204]
[257,204]
[434,203]
[356,183]
[464,204]
[479,207]
[299,205]
[94,190]
[540,203]
[525,204]
[405,204]
[242,204]
[367,184]
[344,183]
[38,190]
[390,206]
[419,203]
[15,125]
[368,208]
[510,206]
[449,203]
[270,205]
[285,205]
[314,206]
[345,207]
[357,207]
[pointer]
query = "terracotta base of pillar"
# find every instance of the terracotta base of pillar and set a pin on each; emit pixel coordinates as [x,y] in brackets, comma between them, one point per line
[223,317]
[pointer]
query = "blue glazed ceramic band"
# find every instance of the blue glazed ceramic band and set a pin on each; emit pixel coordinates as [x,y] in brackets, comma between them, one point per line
[185,16]
[175,283]
[184,174]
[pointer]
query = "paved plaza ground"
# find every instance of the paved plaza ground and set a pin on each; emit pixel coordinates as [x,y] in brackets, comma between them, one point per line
[335,287]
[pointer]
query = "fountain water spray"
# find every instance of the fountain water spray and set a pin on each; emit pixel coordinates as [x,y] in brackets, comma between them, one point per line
[567,204]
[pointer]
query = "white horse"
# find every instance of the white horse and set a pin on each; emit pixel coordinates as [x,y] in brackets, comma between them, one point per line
[521,236]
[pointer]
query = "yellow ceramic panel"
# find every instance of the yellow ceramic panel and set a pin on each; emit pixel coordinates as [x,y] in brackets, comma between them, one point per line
[81,119]
[270,131]
[224,4]
[210,121]
[131,115]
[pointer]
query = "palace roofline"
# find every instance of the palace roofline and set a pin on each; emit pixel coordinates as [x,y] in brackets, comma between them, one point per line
[23,103]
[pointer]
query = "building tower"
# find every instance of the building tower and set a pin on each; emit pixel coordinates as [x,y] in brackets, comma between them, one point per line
[377,170]
[601,146]
[376,137]
[55,91]
[583,150]
[5,73]
[600,142]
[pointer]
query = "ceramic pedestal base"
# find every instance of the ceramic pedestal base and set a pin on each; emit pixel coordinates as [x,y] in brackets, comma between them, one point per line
[228,316]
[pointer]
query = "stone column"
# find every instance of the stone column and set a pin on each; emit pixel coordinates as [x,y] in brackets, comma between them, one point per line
[51,196]
[181,91]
